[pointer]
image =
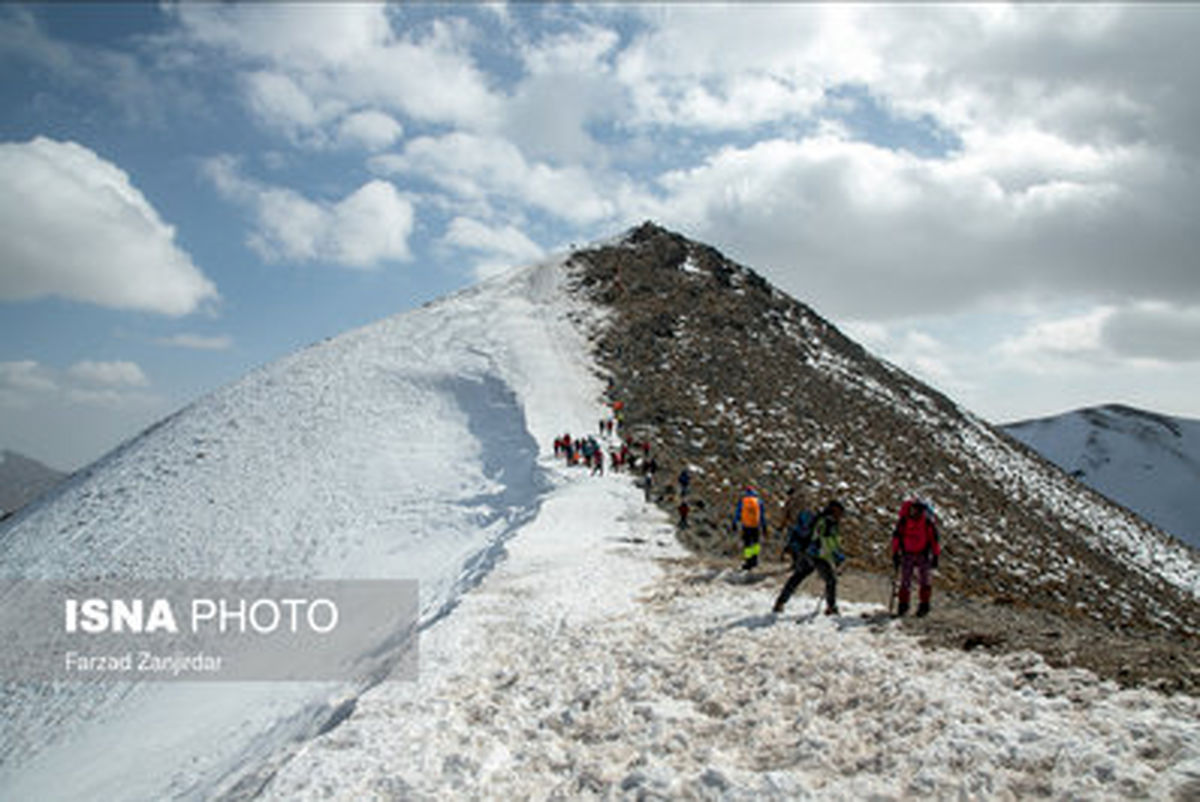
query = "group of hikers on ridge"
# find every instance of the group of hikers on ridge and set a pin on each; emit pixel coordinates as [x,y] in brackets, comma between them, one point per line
[814,545]
[624,453]
[813,541]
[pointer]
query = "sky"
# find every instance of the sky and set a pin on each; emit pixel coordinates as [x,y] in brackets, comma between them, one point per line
[1000,199]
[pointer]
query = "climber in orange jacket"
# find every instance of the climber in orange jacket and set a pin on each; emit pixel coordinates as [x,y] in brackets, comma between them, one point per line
[750,515]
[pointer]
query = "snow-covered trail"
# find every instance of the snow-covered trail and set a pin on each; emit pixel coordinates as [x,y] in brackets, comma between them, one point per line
[598,660]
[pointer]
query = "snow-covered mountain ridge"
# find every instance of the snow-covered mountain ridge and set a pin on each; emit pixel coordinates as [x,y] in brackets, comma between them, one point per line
[1148,462]
[558,658]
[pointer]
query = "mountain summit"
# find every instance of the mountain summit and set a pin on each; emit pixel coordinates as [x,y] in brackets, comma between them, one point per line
[725,373]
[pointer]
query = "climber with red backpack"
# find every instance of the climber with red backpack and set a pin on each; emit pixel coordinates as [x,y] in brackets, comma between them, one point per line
[750,515]
[915,549]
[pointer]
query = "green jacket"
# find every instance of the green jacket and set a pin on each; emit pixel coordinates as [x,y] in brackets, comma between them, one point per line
[827,540]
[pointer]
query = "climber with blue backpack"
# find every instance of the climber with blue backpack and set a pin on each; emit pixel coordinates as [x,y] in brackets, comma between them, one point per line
[816,545]
[795,524]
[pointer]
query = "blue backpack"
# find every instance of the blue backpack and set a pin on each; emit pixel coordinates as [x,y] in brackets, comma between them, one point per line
[800,534]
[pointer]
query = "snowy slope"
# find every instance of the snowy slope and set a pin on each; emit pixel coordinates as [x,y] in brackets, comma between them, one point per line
[596,662]
[405,449]
[1150,463]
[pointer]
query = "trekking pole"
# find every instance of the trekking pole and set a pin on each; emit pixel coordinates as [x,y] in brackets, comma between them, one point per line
[893,594]
[837,572]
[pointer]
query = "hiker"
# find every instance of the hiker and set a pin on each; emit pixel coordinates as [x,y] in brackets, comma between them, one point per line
[823,553]
[648,486]
[750,516]
[684,509]
[685,482]
[915,549]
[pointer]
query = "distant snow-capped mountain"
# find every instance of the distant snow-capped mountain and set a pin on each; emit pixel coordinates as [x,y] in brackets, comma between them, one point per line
[23,479]
[1147,462]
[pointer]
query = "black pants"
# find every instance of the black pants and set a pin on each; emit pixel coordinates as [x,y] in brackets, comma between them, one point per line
[804,566]
[751,547]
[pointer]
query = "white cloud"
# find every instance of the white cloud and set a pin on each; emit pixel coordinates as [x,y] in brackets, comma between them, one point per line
[724,68]
[568,85]
[28,385]
[277,101]
[1070,343]
[369,226]
[198,342]
[369,129]
[74,226]
[922,354]
[501,247]
[1138,334]
[312,35]
[22,378]
[478,168]
[362,230]
[868,232]
[108,374]
[1068,168]
[322,60]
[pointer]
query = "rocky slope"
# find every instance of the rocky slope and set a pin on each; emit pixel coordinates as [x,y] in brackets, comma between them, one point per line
[721,371]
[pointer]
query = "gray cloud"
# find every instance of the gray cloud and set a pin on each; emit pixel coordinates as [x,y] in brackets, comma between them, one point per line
[1158,331]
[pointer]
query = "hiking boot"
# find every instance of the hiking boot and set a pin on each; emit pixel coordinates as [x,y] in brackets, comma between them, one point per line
[778,608]
[922,609]
[831,610]
[902,609]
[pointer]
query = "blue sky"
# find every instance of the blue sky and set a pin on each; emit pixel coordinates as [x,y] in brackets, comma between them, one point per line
[1001,199]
